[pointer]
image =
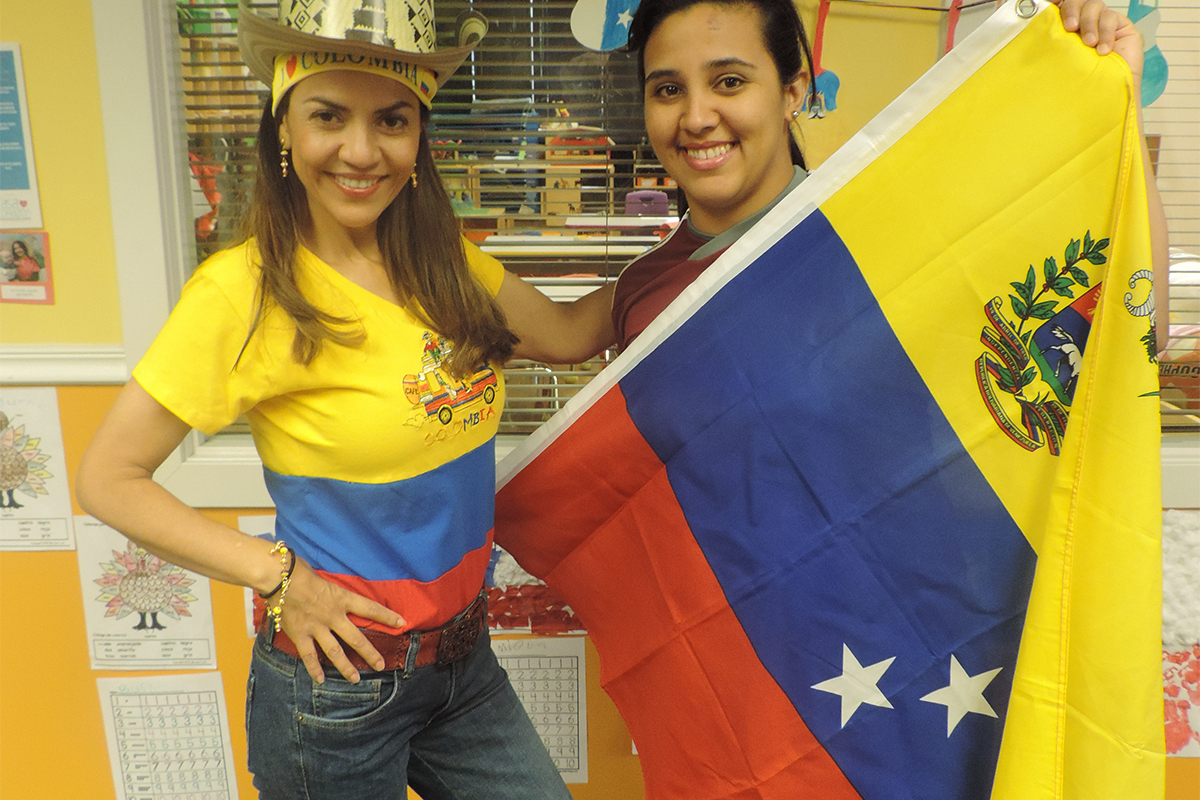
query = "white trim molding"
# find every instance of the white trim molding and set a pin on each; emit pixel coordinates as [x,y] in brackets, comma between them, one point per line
[222,471]
[57,364]
[146,148]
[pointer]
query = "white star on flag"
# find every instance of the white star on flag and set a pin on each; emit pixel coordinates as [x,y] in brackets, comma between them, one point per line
[963,696]
[857,684]
[624,18]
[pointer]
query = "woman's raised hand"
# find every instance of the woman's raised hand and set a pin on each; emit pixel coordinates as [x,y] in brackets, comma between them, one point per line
[1104,29]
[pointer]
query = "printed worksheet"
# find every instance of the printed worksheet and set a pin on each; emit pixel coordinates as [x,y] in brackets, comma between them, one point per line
[168,737]
[35,503]
[551,680]
[142,612]
[262,526]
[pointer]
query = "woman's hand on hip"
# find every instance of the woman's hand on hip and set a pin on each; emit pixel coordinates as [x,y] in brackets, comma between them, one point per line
[315,610]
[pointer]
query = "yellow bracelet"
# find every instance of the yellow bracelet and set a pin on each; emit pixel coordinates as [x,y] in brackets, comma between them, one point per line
[285,580]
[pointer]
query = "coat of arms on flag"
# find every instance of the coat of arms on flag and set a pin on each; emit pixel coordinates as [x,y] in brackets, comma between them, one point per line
[1020,347]
[872,510]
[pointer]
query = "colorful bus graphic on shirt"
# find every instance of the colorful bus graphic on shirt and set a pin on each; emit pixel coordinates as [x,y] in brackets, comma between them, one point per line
[442,395]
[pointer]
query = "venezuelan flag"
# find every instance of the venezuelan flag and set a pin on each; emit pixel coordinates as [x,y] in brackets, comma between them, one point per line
[872,510]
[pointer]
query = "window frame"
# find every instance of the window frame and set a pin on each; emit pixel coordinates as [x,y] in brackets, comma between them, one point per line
[145,147]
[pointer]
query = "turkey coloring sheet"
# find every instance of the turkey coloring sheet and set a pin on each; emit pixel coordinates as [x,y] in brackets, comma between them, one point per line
[35,503]
[142,612]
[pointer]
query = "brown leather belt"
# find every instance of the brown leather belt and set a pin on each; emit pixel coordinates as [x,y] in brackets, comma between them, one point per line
[442,646]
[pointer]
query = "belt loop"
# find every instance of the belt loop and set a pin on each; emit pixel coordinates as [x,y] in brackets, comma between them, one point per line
[266,632]
[414,647]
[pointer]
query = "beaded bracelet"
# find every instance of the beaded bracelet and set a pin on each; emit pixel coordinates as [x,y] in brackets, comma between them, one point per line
[285,580]
[283,550]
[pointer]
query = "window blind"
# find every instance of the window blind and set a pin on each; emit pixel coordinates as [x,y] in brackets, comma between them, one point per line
[1173,132]
[541,144]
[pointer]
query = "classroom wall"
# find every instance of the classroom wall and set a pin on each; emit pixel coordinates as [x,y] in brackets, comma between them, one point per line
[51,734]
[58,50]
[876,54]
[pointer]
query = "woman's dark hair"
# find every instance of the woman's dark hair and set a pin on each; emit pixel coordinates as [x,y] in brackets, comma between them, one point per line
[421,244]
[13,247]
[783,35]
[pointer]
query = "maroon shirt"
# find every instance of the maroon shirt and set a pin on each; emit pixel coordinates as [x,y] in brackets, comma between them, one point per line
[654,279]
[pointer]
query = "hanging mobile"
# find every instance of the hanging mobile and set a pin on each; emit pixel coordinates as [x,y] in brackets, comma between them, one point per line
[825,81]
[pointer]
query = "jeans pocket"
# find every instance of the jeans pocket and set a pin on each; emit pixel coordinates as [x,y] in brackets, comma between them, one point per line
[337,703]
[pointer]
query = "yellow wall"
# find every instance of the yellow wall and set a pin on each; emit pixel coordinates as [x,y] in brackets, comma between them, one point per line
[58,52]
[876,53]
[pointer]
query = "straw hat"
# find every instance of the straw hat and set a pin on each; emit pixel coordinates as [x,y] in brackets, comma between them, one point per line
[395,30]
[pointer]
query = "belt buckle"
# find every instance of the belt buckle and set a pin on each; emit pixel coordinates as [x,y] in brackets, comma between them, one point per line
[459,637]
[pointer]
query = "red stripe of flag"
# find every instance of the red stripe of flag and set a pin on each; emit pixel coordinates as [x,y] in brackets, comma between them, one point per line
[691,666]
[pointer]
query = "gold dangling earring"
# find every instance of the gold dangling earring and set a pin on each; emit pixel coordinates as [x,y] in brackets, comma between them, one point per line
[414,180]
[283,154]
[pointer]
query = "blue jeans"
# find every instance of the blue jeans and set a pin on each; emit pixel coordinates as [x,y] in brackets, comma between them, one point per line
[457,733]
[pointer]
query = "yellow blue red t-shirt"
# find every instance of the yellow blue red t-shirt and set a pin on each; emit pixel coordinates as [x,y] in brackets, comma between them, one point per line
[380,464]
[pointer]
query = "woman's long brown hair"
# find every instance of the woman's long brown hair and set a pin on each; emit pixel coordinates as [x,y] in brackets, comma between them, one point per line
[421,244]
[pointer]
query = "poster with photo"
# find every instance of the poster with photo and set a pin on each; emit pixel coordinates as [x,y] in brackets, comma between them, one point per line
[20,205]
[25,268]
[35,502]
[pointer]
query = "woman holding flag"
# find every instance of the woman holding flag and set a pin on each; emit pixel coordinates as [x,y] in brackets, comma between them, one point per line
[681,535]
[729,514]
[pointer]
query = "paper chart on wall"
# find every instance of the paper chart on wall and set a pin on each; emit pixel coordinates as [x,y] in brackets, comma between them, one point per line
[20,204]
[168,737]
[550,677]
[35,502]
[141,612]
[262,526]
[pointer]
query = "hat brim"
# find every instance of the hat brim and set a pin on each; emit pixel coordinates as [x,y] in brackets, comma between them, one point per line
[261,39]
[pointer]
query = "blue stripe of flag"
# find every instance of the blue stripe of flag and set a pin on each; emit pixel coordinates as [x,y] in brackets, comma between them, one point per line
[418,528]
[836,505]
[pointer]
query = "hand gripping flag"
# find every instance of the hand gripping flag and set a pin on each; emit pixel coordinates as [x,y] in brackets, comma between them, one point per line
[872,510]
